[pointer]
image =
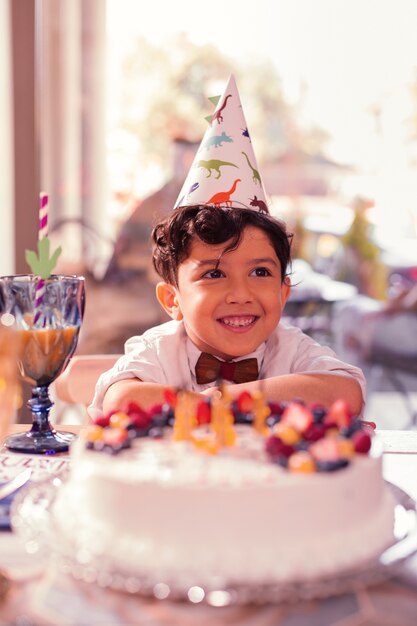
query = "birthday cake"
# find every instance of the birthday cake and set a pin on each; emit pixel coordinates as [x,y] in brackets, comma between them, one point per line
[234,492]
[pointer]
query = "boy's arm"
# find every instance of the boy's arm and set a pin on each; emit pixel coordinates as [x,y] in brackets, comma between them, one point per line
[309,387]
[134,390]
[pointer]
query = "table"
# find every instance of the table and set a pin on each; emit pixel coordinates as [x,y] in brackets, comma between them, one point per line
[42,596]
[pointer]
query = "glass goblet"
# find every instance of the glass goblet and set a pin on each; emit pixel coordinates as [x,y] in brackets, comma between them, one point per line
[48,321]
[9,376]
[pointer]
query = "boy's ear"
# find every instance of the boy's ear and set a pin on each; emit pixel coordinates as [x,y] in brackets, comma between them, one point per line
[285,289]
[166,295]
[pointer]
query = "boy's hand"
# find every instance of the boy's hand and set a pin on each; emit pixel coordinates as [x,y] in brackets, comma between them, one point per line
[212,392]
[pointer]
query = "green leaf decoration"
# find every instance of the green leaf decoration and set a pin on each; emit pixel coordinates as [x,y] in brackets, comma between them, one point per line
[42,264]
[208,118]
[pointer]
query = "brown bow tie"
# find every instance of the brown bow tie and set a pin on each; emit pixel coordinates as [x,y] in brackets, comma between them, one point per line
[209,368]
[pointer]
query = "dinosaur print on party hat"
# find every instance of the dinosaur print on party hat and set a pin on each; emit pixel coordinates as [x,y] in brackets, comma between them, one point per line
[224,172]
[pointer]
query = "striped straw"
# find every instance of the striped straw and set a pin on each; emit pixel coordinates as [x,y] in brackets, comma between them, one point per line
[42,232]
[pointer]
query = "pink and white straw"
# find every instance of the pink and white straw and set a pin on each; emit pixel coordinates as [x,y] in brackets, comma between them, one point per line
[42,232]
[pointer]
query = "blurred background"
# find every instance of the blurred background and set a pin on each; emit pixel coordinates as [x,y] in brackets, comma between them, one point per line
[103,105]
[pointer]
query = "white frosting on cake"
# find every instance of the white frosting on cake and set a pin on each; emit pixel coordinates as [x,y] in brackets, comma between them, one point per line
[167,510]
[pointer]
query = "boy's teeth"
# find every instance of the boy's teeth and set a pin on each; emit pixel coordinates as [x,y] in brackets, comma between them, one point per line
[238,321]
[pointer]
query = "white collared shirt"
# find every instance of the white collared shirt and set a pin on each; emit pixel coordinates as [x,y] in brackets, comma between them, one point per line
[165,355]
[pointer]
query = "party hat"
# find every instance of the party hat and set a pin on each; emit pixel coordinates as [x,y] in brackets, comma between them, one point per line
[224,171]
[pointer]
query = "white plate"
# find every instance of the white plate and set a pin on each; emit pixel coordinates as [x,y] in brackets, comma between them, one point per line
[33,521]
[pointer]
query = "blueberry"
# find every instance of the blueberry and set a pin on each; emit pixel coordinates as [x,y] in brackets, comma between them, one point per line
[331,466]
[142,432]
[319,414]
[281,460]
[156,433]
[243,418]
[160,420]
[348,431]
[302,445]
[271,420]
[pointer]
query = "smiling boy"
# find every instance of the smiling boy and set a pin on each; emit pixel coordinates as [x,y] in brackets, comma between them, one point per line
[224,263]
[225,285]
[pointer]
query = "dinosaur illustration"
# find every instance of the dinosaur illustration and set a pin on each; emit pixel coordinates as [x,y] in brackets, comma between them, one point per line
[193,187]
[217,141]
[223,197]
[217,115]
[245,133]
[260,204]
[213,164]
[255,174]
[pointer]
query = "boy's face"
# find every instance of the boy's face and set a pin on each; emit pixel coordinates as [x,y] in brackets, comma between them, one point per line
[231,308]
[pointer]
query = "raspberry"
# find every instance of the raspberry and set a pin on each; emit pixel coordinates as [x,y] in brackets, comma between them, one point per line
[155,409]
[276,409]
[315,432]
[140,419]
[132,407]
[104,420]
[275,447]
[361,441]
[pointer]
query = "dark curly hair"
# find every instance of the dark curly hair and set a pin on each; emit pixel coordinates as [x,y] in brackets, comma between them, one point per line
[172,237]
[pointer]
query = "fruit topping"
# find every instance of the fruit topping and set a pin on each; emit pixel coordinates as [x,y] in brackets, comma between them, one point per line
[275,447]
[339,413]
[298,416]
[245,402]
[361,441]
[301,462]
[203,412]
[326,449]
[286,433]
[331,466]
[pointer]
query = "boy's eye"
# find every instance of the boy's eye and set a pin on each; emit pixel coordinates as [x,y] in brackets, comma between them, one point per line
[216,273]
[261,271]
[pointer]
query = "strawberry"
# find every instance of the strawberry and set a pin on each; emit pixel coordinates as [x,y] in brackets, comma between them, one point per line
[170,396]
[244,402]
[326,449]
[203,412]
[297,416]
[339,413]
